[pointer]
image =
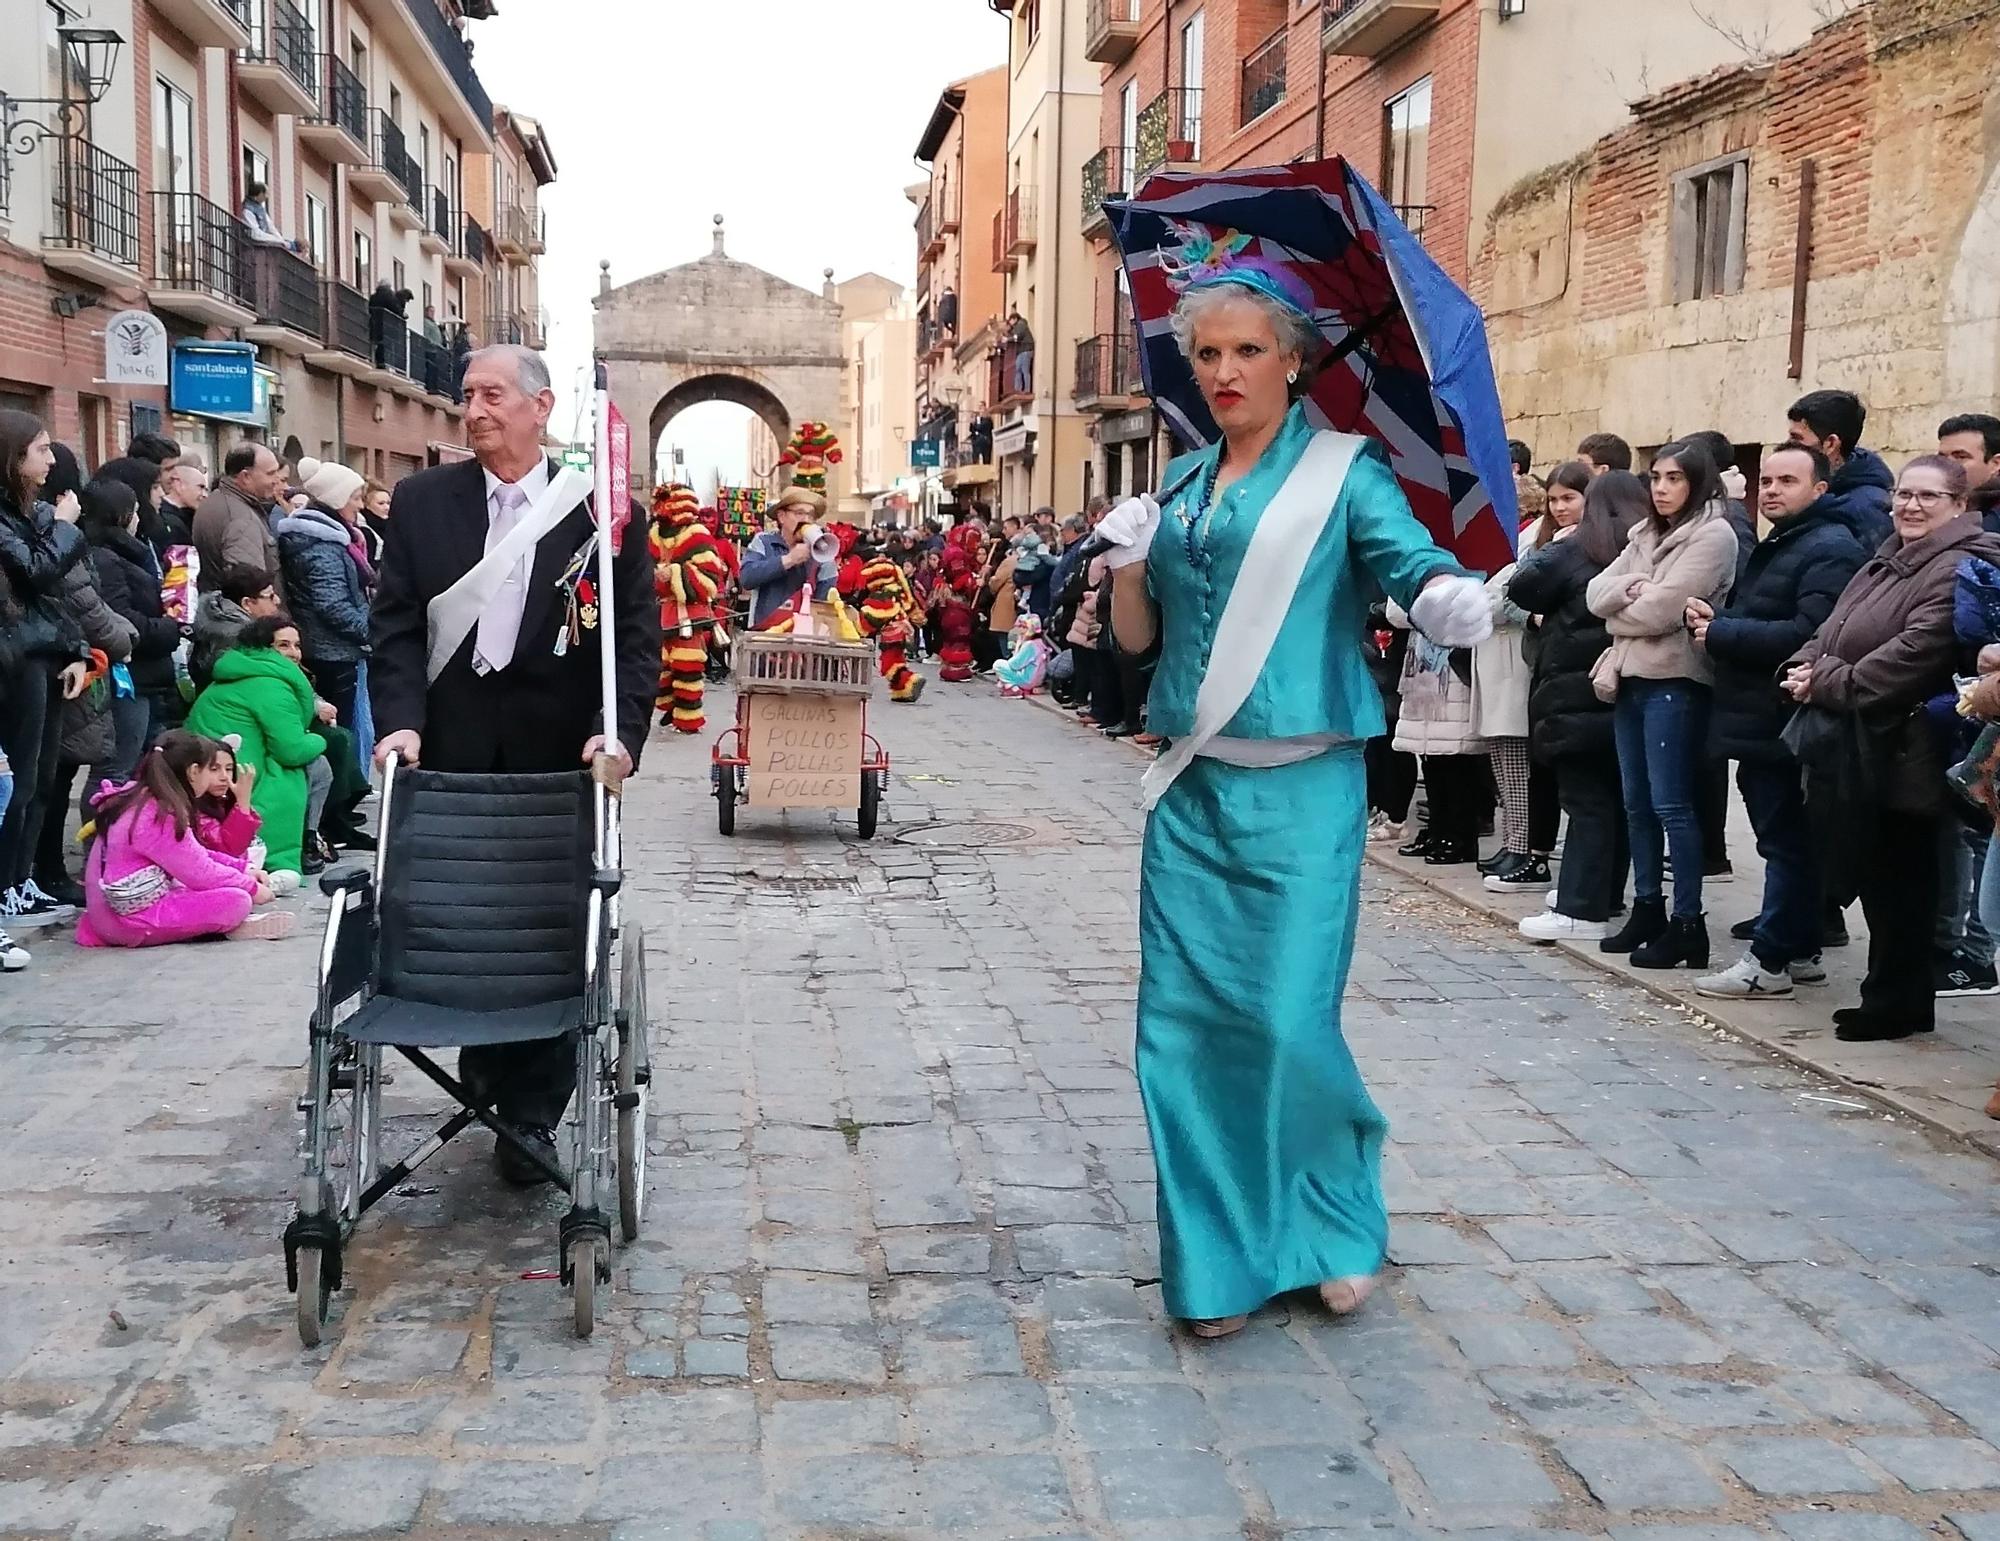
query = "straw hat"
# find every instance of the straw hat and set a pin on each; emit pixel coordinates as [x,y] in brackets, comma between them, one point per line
[800,497]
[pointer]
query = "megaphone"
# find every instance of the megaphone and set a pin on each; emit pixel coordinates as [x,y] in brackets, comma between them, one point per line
[824,543]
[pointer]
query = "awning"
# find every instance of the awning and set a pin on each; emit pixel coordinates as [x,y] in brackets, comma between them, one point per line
[974,475]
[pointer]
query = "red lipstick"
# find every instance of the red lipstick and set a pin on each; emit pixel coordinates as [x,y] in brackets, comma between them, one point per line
[1227,398]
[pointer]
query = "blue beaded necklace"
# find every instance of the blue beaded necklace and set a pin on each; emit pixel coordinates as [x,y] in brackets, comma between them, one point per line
[1195,523]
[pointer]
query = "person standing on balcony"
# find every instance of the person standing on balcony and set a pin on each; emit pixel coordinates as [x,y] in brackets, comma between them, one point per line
[257,219]
[1023,342]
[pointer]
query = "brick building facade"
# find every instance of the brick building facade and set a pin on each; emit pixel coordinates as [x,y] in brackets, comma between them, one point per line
[1654,285]
[375,139]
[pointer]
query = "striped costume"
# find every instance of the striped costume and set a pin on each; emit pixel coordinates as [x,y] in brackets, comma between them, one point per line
[690,572]
[890,614]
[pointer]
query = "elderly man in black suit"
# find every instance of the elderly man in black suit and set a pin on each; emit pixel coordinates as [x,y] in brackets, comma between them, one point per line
[513,685]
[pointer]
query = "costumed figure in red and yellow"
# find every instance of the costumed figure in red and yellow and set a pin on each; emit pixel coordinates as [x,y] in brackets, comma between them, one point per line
[955,623]
[890,614]
[690,573]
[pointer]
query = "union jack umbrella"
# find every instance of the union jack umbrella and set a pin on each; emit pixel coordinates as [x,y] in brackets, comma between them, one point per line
[1407,362]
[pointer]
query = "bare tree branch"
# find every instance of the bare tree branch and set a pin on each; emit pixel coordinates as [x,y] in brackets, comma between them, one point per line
[1751,39]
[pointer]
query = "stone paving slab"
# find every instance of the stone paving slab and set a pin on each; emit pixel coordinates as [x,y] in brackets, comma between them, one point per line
[900,1272]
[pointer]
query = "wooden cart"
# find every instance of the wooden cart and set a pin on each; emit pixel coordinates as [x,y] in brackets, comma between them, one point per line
[800,739]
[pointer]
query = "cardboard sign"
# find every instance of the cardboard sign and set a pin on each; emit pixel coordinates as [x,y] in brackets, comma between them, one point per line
[804,751]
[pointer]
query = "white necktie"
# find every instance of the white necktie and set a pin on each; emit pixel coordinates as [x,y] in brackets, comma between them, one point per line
[500,621]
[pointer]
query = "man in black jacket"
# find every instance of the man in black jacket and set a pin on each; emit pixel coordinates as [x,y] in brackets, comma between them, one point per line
[1857,492]
[1785,588]
[1973,440]
[520,691]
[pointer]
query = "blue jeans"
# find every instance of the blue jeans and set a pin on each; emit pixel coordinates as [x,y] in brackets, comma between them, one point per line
[1989,889]
[1788,927]
[1662,731]
[364,720]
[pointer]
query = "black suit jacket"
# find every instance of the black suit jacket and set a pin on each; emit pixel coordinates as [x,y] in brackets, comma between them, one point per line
[537,713]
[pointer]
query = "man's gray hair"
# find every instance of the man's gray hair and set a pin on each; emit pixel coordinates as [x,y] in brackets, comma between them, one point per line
[530,368]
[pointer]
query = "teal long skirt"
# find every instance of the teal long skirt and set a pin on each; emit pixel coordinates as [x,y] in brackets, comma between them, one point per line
[1268,1147]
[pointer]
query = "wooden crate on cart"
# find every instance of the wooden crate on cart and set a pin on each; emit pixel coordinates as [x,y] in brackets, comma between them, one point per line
[804,665]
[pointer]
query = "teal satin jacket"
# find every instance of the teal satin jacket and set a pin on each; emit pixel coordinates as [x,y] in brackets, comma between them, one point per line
[1316,679]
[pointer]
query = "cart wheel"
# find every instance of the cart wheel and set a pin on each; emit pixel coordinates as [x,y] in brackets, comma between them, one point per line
[725,799]
[312,1297]
[633,1072]
[583,1285]
[871,802]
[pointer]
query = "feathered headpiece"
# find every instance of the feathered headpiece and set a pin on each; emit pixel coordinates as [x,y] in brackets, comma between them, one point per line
[1205,258]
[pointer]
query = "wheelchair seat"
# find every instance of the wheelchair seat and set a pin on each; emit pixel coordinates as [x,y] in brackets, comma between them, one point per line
[485,885]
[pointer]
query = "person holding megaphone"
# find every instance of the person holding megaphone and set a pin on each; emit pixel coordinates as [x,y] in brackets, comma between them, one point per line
[781,563]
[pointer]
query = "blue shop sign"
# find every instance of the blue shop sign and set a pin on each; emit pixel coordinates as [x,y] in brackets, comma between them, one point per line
[218,379]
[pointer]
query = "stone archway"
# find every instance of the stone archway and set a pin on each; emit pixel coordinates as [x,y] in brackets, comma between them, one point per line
[741,390]
[717,330]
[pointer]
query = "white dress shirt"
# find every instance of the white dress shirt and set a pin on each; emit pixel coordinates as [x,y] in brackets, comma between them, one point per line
[500,622]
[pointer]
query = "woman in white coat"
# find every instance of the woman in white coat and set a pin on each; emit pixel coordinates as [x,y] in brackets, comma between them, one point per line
[1500,681]
[1435,721]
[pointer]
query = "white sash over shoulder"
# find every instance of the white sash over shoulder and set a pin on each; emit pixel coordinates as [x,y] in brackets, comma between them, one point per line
[1262,594]
[452,615]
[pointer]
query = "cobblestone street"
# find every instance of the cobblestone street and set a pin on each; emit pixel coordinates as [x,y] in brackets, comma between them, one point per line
[898,1276]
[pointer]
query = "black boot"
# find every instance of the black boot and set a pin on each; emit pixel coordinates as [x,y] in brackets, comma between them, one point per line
[1500,861]
[1648,920]
[1451,853]
[1684,944]
[1418,845]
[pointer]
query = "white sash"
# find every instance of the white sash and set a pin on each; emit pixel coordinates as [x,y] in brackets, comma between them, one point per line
[453,614]
[1280,547]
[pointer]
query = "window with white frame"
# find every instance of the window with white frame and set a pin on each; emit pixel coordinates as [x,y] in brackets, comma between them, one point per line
[1709,234]
[319,235]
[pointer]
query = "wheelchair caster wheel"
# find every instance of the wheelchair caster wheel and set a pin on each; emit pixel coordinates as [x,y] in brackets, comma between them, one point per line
[312,1296]
[583,1285]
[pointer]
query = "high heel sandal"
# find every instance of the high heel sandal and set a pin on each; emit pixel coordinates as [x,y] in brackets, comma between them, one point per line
[1219,1327]
[1343,1297]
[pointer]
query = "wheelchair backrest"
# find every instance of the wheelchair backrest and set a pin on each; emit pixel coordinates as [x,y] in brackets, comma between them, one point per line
[485,886]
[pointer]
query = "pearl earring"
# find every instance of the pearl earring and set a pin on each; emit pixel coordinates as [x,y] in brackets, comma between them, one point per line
[1292,378]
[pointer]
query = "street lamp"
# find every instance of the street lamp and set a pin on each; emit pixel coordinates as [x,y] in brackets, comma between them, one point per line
[90,58]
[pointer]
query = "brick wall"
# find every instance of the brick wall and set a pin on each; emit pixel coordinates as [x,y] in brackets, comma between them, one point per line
[1890,103]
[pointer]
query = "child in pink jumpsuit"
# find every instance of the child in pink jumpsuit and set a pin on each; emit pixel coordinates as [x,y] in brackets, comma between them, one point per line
[149,880]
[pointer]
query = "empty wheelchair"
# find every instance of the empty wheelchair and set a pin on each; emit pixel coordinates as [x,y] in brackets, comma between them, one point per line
[493,915]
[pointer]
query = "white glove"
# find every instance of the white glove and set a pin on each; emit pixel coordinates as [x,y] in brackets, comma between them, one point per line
[1734,484]
[1453,612]
[1129,530]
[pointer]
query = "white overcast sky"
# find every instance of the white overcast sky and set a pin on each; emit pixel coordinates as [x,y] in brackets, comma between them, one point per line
[797,121]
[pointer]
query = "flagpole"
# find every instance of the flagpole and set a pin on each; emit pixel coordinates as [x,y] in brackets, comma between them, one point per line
[607,583]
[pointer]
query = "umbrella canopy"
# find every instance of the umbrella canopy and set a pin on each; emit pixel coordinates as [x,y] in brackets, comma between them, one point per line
[1407,362]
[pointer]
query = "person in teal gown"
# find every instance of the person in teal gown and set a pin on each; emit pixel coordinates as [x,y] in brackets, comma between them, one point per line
[1267,1144]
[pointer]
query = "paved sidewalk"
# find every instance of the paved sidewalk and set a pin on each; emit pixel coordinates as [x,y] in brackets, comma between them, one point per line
[899,1277]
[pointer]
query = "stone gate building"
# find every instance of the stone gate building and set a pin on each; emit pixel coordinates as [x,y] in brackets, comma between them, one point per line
[718,330]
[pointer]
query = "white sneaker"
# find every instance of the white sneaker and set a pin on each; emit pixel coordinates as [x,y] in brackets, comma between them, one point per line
[1549,899]
[1746,981]
[282,883]
[1807,971]
[12,958]
[1553,927]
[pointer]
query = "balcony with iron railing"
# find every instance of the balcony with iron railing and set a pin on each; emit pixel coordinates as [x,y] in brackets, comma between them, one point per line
[1415,215]
[407,208]
[1169,133]
[389,347]
[285,293]
[346,348]
[337,128]
[380,177]
[441,226]
[929,242]
[93,229]
[473,243]
[1110,30]
[1368,29]
[1004,260]
[454,55]
[1261,84]
[1014,384]
[276,68]
[208,23]
[196,265]
[519,234]
[1106,175]
[1022,207]
[1108,377]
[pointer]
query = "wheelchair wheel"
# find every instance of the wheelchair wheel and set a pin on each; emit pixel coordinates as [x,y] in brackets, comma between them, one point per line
[583,1285]
[871,802]
[313,1296]
[725,800]
[634,1072]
